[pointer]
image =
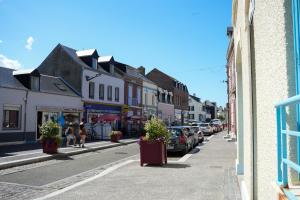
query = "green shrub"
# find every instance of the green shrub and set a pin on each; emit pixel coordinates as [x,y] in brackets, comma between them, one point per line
[50,130]
[156,130]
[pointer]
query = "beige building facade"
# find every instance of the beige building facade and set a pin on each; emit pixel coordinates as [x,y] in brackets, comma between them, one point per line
[263,46]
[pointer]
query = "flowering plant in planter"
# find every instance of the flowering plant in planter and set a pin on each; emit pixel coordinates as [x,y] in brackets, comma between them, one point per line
[153,145]
[156,130]
[115,136]
[50,138]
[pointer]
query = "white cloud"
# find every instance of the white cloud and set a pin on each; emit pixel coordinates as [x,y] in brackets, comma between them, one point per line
[29,43]
[9,63]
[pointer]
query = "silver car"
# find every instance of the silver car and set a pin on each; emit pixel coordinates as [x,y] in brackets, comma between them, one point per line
[206,129]
[197,129]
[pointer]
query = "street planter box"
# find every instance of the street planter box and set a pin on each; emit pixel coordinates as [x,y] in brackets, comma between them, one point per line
[153,153]
[50,146]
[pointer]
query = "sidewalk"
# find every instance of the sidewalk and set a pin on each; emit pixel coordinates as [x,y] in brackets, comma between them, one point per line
[207,173]
[31,153]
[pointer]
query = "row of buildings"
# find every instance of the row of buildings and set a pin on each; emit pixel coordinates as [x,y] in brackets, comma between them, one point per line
[70,86]
[263,91]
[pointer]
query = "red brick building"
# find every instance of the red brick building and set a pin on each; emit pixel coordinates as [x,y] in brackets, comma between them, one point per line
[132,110]
[231,81]
[180,92]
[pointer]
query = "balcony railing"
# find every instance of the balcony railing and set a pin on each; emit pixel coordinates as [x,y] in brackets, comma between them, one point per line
[133,102]
[283,162]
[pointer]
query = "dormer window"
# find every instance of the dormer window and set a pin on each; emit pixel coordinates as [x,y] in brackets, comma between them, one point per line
[111,68]
[94,63]
[35,83]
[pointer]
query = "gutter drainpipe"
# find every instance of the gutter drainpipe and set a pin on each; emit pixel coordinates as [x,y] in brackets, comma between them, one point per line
[252,58]
[25,112]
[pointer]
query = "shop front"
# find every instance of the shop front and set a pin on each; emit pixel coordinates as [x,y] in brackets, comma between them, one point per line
[133,122]
[100,113]
[63,116]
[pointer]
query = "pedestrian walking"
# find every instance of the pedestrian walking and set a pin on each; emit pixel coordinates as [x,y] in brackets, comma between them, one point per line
[70,135]
[82,133]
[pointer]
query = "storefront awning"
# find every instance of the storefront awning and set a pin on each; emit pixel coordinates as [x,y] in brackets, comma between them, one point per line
[108,117]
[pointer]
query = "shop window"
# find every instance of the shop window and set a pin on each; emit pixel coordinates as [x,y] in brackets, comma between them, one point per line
[101,91]
[11,117]
[91,90]
[117,94]
[109,92]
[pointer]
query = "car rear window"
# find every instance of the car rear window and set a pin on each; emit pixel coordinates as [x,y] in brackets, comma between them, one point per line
[175,131]
[203,125]
[195,129]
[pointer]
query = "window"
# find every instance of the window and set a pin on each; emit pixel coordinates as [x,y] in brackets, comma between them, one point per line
[11,117]
[192,108]
[91,90]
[101,91]
[94,63]
[163,97]
[35,83]
[109,92]
[129,95]
[191,116]
[146,100]
[139,95]
[153,100]
[111,69]
[117,94]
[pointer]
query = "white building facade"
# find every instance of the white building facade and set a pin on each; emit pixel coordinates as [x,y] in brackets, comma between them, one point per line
[196,111]
[149,99]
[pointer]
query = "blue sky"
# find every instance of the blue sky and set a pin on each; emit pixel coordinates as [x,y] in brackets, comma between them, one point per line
[184,38]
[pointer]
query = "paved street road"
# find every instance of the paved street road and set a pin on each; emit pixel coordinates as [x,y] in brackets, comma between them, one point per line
[39,179]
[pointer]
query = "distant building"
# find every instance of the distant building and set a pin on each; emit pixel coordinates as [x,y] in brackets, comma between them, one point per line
[210,109]
[102,91]
[179,93]
[133,113]
[166,111]
[196,112]
[150,97]
[28,99]
[231,82]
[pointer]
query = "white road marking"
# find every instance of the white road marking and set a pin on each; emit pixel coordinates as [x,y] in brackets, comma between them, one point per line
[102,166]
[209,138]
[105,172]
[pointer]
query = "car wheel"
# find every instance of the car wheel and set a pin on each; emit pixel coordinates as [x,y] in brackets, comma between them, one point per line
[185,151]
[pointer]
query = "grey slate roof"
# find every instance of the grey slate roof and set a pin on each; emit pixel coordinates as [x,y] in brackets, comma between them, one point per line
[8,80]
[55,85]
[195,98]
[73,54]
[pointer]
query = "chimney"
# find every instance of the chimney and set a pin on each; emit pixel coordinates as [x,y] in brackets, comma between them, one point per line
[142,70]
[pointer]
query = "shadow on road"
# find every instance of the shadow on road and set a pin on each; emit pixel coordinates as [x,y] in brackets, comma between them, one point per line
[62,156]
[170,165]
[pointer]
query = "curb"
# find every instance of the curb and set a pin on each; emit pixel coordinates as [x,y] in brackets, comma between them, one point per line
[21,162]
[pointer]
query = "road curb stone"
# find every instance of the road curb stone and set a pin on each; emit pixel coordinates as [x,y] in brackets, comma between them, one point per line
[42,158]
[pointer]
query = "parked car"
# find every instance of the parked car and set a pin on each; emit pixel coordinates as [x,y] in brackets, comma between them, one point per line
[217,124]
[206,129]
[182,139]
[197,128]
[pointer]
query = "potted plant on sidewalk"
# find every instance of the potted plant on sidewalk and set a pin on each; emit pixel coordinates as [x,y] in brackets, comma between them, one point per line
[153,145]
[50,138]
[115,136]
